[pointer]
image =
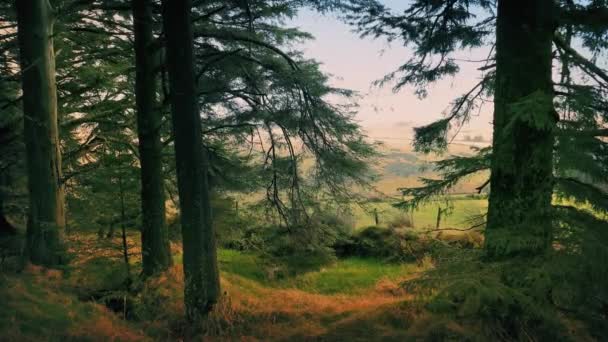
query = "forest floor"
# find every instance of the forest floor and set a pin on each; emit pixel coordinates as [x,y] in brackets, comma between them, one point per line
[352,299]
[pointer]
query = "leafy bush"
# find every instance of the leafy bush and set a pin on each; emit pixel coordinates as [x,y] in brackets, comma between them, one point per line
[302,248]
[512,300]
[506,313]
[311,245]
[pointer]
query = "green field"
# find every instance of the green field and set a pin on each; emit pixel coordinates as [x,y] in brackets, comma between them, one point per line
[462,210]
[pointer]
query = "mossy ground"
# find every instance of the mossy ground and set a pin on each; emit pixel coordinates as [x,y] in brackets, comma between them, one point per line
[36,307]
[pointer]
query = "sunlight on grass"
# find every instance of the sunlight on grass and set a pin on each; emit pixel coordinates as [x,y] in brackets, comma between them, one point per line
[348,276]
[246,265]
[426,215]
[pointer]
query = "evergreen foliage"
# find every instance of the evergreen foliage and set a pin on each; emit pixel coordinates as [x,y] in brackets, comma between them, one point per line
[217,104]
[556,128]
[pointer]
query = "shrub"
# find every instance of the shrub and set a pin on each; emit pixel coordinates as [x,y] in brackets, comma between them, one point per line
[388,244]
[466,239]
[311,245]
[401,221]
[301,248]
[492,301]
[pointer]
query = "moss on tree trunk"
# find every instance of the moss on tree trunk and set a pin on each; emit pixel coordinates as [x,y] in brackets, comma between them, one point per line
[43,159]
[519,214]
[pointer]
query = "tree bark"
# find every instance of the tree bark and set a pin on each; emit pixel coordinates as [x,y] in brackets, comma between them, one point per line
[156,254]
[6,228]
[123,228]
[43,159]
[519,213]
[201,273]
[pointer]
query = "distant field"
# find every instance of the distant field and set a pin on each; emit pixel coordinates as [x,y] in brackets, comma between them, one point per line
[401,168]
[462,210]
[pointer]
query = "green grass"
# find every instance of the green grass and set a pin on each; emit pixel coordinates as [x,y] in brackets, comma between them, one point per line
[247,265]
[348,276]
[35,308]
[345,276]
[426,216]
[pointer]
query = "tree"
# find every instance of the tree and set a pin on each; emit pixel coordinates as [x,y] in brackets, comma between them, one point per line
[11,151]
[156,254]
[521,183]
[201,275]
[46,209]
[538,121]
[10,157]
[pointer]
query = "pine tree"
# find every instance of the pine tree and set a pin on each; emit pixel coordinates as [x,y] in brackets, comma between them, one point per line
[519,213]
[46,208]
[11,151]
[538,121]
[201,275]
[155,241]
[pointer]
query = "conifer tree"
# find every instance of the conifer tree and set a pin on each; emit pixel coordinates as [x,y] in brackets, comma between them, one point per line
[46,208]
[201,275]
[156,254]
[538,120]
[521,183]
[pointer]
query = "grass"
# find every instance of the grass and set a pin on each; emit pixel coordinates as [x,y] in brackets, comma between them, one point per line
[246,265]
[350,299]
[313,305]
[349,276]
[463,209]
[345,276]
[36,307]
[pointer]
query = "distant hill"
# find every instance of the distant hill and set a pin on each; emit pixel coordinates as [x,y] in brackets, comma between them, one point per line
[402,167]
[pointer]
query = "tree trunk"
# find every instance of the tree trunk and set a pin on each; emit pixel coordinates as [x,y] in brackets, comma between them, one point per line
[156,254]
[201,274]
[123,228]
[5,227]
[43,159]
[519,213]
[439,212]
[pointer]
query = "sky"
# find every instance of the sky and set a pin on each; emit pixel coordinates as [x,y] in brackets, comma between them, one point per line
[355,63]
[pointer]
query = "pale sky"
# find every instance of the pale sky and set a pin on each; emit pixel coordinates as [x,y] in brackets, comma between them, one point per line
[355,63]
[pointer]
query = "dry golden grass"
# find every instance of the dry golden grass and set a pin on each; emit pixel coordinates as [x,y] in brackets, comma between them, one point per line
[249,309]
[252,311]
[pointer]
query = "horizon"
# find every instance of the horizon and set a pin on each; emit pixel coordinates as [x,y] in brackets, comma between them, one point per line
[355,63]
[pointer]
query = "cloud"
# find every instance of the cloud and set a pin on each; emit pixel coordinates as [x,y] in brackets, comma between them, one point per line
[404,124]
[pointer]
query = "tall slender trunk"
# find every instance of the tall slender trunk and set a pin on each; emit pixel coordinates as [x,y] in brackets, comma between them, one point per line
[201,274]
[5,227]
[43,159]
[156,254]
[123,228]
[519,213]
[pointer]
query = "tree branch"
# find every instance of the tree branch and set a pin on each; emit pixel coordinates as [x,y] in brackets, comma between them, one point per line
[581,60]
[585,16]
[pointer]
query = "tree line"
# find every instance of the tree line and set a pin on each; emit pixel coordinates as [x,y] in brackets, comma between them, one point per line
[101,81]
